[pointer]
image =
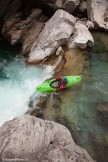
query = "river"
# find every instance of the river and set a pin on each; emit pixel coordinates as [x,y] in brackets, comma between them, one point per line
[17,82]
[79,104]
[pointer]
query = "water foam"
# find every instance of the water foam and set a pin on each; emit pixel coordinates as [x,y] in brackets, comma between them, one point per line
[18,87]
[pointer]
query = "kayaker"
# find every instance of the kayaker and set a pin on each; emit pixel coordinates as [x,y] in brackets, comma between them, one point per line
[62,81]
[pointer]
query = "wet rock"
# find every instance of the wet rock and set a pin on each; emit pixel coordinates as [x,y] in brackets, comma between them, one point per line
[60,62]
[59,67]
[82,37]
[52,36]
[102,109]
[76,61]
[47,102]
[106,138]
[35,112]
[97,10]
[72,127]
[37,105]
[42,101]
[57,60]
[100,149]
[33,139]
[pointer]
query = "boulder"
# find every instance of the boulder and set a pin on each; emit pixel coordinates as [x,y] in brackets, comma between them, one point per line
[30,139]
[97,12]
[82,37]
[55,33]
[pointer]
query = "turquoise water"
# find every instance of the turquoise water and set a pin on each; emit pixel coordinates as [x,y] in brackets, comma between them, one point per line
[77,105]
[17,82]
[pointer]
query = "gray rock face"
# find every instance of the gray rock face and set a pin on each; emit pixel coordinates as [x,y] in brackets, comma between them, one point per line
[30,36]
[34,140]
[82,37]
[55,33]
[97,12]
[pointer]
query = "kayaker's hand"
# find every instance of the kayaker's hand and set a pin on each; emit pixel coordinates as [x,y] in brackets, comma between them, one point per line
[55,91]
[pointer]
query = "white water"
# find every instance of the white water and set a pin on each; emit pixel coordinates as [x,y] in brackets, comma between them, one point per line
[17,84]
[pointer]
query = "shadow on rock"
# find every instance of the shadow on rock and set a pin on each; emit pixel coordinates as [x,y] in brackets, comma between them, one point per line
[102,113]
[37,107]
[100,149]
[75,131]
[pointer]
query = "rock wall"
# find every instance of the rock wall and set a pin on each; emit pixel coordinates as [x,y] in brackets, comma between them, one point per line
[25,31]
[40,38]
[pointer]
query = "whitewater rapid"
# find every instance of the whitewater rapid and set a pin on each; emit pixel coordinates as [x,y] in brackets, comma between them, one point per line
[17,84]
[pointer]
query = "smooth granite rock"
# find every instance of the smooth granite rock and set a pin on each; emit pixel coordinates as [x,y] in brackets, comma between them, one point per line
[55,33]
[35,140]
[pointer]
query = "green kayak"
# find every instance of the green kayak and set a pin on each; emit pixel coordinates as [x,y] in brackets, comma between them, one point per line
[49,86]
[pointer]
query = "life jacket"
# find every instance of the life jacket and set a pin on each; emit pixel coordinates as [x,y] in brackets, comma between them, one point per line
[63,80]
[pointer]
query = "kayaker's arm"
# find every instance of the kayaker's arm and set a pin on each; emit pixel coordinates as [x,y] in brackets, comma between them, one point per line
[61,87]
